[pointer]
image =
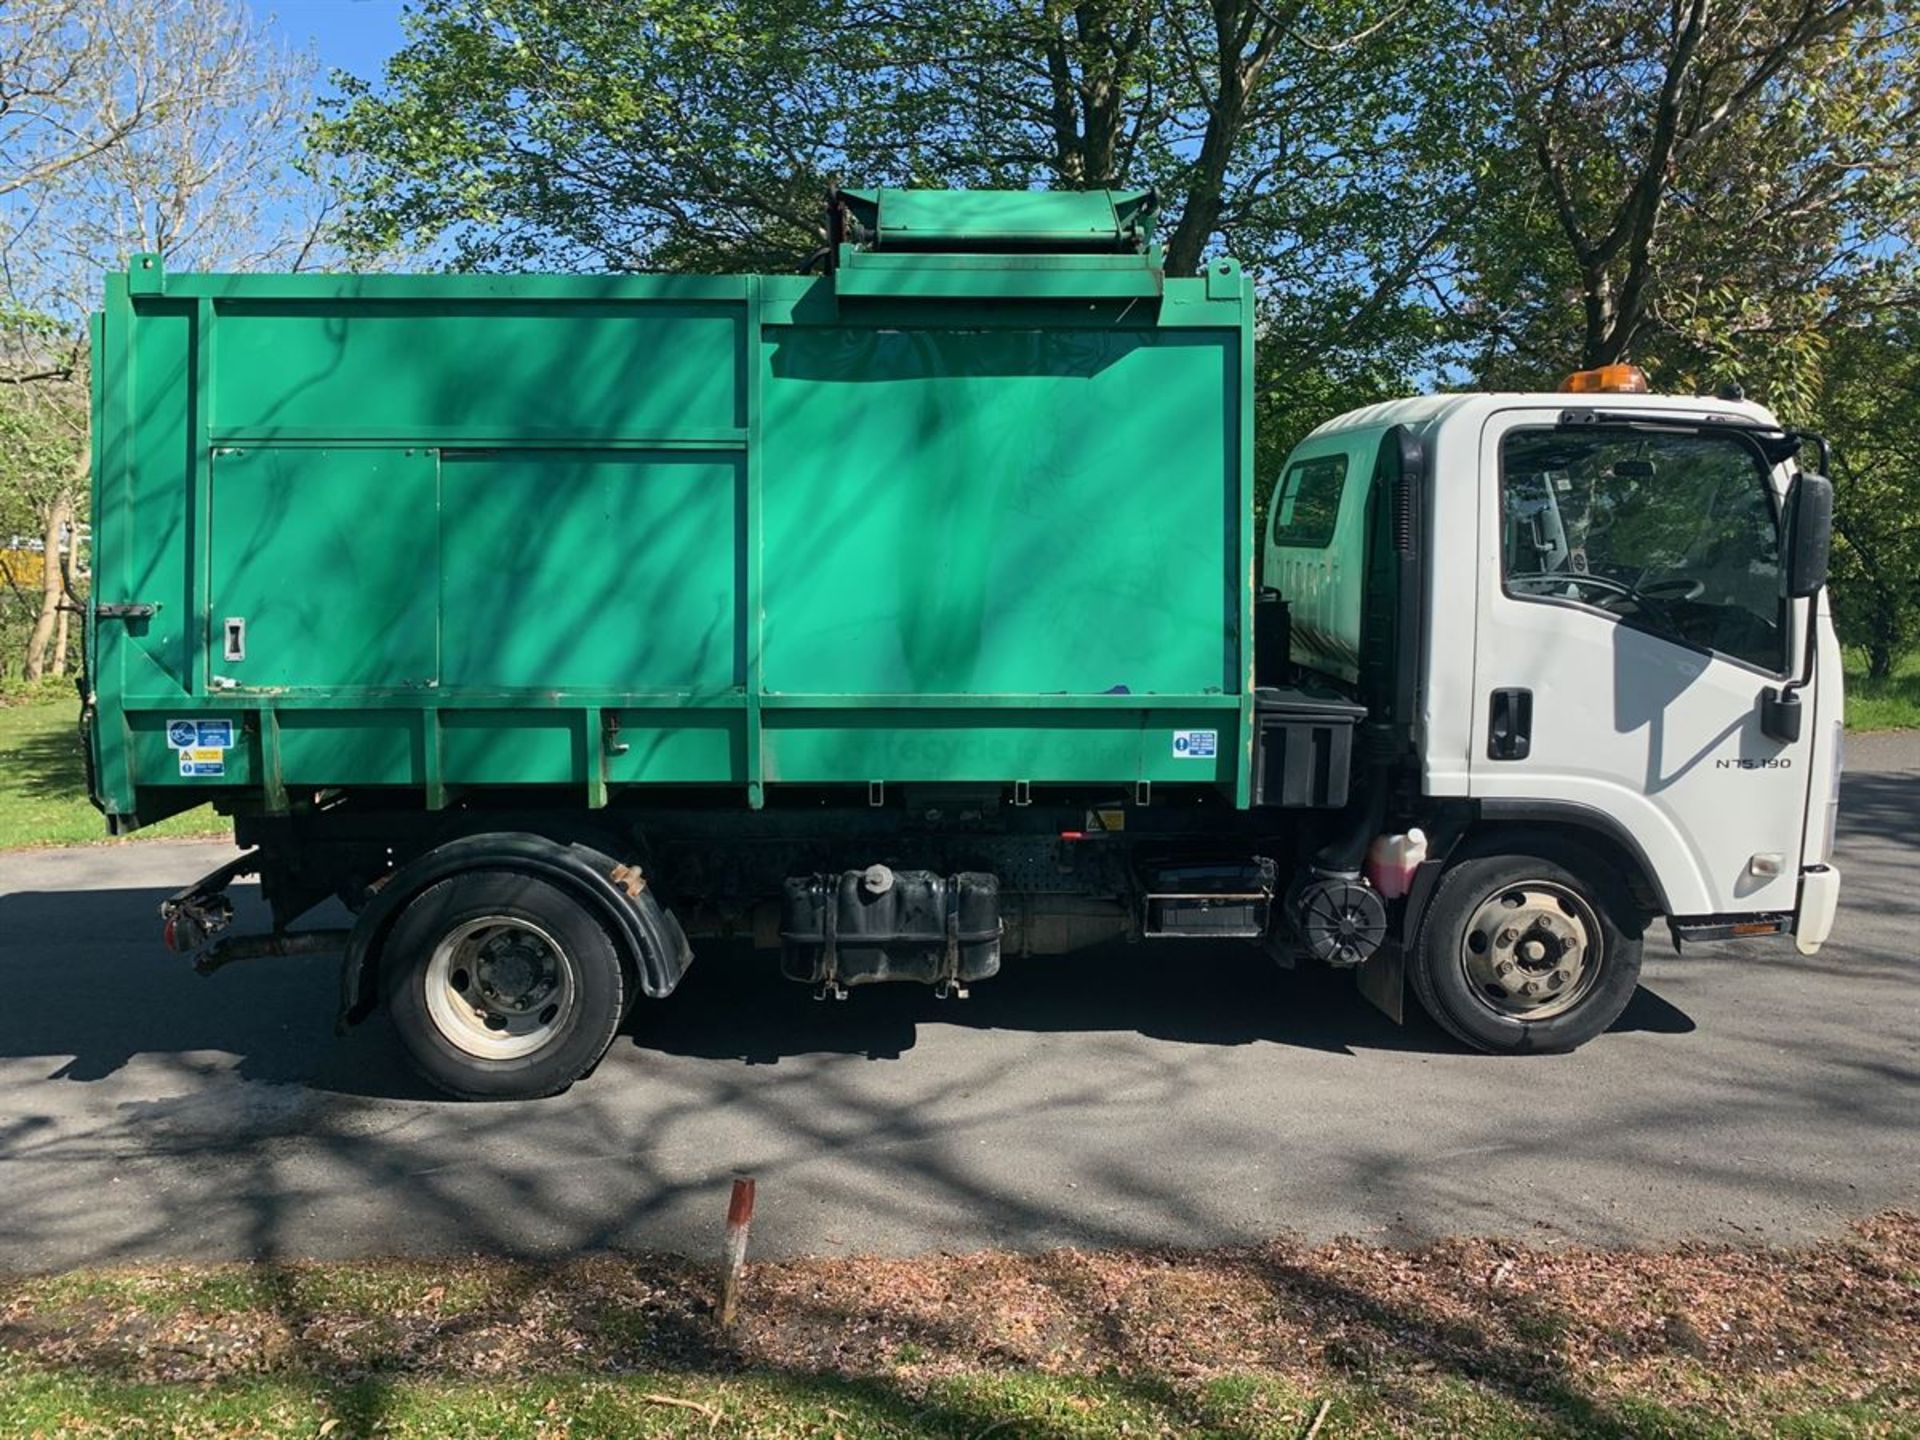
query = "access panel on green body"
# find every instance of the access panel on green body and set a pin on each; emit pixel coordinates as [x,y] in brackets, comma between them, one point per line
[999,511]
[476,571]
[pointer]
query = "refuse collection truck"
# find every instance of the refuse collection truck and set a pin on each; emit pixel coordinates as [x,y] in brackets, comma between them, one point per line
[908,614]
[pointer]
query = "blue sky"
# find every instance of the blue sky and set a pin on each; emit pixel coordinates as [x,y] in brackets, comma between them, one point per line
[352,35]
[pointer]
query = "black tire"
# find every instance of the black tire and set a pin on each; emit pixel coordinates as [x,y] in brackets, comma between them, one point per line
[485,904]
[1599,905]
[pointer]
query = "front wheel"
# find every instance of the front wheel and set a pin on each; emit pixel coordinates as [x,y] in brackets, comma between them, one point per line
[501,986]
[1527,952]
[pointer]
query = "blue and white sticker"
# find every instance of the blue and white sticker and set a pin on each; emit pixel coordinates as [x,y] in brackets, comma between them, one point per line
[1195,744]
[186,735]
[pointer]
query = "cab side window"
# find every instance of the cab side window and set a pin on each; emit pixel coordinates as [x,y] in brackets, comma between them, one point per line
[1306,505]
[1670,532]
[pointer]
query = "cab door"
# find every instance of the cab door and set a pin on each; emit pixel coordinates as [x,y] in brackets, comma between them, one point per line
[1631,614]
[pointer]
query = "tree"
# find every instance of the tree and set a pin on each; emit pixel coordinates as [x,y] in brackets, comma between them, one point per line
[43,458]
[76,79]
[530,135]
[1708,184]
[518,132]
[1870,401]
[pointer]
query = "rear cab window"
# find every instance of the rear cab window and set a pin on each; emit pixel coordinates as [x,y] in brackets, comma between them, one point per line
[1306,503]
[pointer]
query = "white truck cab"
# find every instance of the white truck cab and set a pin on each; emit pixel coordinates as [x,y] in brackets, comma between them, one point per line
[1627,664]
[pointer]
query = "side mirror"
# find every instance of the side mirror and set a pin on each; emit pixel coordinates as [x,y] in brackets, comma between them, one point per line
[1808,532]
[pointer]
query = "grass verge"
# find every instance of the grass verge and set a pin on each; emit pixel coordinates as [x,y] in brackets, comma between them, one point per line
[1463,1337]
[1889,704]
[43,783]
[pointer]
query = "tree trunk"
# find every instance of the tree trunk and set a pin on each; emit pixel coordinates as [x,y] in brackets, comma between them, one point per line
[60,638]
[70,601]
[1086,108]
[59,513]
[1881,646]
[1205,195]
[1246,33]
[1597,298]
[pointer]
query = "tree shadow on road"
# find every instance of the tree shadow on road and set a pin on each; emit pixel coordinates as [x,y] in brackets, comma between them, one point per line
[276,1015]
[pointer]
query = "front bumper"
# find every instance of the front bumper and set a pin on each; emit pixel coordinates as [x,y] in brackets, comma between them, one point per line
[1819,900]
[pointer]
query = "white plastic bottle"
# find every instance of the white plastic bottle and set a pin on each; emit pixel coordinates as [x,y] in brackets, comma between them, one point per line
[1392,859]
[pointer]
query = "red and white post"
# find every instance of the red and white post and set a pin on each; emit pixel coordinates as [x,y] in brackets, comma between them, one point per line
[739,1221]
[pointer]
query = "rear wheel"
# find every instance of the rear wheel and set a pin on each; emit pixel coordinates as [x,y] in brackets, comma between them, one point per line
[1527,952]
[501,986]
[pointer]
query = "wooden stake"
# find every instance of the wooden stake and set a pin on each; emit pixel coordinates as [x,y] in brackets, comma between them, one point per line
[739,1220]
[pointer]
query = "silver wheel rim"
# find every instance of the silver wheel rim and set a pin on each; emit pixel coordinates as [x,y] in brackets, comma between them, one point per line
[1531,951]
[499,987]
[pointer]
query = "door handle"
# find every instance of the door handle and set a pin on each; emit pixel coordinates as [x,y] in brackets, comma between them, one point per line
[1510,725]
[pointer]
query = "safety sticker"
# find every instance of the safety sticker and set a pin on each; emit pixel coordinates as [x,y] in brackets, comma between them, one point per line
[1195,744]
[200,735]
[198,762]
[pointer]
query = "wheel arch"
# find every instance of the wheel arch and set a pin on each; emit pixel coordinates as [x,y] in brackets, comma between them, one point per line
[648,939]
[1492,826]
[1502,825]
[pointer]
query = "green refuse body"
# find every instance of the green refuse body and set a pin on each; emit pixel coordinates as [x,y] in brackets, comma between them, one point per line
[972,504]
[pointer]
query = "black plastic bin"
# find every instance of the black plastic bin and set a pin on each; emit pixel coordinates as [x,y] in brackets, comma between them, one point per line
[1303,749]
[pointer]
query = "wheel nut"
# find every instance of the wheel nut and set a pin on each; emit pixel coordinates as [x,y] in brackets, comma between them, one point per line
[1505,967]
[1508,936]
[1557,979]
[1530,988]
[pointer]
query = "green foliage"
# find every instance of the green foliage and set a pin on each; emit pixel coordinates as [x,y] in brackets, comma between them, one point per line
[42,439]
[1870,406]
[540,135]
[43,788]
[523,132]
[1704,192]
[1890,701]
[42,434]
[47,690]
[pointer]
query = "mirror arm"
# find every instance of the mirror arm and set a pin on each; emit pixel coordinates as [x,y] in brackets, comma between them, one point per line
[1805,677]
[1821,444]
[1780,709]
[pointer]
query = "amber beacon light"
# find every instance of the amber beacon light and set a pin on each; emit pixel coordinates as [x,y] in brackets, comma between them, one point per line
[1608,379]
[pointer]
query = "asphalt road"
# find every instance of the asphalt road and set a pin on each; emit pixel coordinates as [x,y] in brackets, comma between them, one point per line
[1143,1094]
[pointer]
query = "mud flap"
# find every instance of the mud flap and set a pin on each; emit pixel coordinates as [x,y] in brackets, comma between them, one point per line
[1382,978]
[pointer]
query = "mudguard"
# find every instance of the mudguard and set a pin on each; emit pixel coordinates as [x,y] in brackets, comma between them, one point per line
[616,893]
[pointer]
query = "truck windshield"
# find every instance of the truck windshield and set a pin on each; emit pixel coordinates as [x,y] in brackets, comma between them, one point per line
[1670,532]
